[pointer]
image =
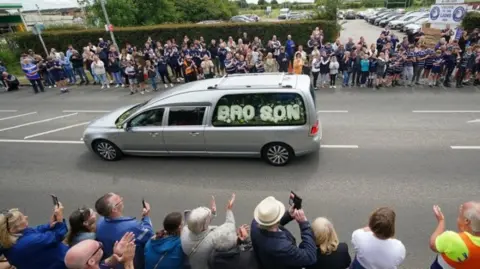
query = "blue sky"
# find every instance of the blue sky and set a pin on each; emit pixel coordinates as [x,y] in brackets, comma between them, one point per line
[47,4]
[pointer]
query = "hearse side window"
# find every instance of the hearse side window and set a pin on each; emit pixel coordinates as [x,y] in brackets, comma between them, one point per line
[186,116]
[152,117]
[260,109]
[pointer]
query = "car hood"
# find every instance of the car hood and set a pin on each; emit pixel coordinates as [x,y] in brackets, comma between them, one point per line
[397,22]
[109,119]
[413,26]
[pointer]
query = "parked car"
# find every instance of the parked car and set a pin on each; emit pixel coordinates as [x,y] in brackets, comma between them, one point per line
[241,18]
[398,24]
[350,15]
[377,20]
[413,28]
[253,17]
[419,20]
[362,14]
[270,115]
[384,22]
[379,17]
[340,15]
[372,17]
[284,14]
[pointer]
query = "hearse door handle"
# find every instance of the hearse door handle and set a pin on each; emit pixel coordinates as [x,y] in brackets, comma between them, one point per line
[194,133]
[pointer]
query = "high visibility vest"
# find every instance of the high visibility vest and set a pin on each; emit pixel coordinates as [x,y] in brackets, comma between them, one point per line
[189,69]
[472,258]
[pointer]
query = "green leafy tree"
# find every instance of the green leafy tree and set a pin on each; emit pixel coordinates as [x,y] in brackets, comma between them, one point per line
[194,10]
[261,2]
[156,11]
[120,12]
[327,9]
[274,2]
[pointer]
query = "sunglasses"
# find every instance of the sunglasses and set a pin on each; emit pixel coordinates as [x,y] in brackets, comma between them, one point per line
[100,247]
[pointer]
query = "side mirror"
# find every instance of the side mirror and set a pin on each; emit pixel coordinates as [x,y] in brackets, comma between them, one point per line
[126,127]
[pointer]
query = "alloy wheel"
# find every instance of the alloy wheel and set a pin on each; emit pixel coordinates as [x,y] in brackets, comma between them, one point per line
[278,155]
[106,151]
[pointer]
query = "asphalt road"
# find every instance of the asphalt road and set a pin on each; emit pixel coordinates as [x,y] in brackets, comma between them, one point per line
[404,160]
[359,27]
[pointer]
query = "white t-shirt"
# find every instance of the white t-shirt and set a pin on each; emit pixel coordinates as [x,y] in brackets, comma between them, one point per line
[374,253]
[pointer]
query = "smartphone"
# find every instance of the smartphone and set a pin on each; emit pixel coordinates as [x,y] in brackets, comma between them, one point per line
[54,200]
[143,204]
[295,200]
[186,214]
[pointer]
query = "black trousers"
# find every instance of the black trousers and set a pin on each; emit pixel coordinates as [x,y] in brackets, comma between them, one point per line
[462,71]
[333,77]
[315,78]
[448,75]
[13,85]
[165,77]
[37,85]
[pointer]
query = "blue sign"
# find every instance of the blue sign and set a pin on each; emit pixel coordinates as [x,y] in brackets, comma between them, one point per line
[435,13]
[458,14]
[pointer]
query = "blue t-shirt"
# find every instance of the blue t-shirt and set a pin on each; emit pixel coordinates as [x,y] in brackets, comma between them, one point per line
[364,65]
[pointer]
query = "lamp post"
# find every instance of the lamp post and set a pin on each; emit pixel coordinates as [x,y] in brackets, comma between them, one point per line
[112,36]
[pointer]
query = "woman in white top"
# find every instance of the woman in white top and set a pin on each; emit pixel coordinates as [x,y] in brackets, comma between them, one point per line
[375,245]
[98,68]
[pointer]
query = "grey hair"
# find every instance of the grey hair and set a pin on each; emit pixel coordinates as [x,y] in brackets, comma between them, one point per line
[472,213]
[224,237]
[199,219]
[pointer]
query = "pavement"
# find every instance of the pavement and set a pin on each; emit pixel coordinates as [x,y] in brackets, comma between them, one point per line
[359,27]
[405,148]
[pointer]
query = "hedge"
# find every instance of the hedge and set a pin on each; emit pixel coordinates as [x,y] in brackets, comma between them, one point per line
[300,31]
[471,21]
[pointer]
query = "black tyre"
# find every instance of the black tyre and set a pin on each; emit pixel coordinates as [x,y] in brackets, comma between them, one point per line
[277,154]
[107,150]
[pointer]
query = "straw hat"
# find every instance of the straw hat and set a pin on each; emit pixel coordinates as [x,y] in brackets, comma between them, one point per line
[269,211]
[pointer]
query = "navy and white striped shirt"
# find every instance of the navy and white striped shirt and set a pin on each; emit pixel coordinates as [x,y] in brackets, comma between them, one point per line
[420,54]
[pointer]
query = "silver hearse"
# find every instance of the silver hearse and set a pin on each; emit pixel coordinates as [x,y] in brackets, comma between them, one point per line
[268,115]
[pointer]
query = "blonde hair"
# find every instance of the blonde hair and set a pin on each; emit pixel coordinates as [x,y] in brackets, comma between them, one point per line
[325,236]
[8,239]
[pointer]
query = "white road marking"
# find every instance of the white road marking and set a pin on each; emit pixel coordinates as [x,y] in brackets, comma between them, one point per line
[56,130]
[446,111]
[35,122]
[332,111]
[40,141]
[86,111]
[18,116]
[474,121]
[465,147]
[8,110]
[339,146]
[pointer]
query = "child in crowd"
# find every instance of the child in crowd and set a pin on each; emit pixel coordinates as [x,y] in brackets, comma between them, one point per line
[372,71]
[324,68]
[364,67]
[334,65]
[437,65]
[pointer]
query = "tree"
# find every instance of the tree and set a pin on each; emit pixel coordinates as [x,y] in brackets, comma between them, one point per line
[194,10]
[327,9]
[156,11]
[274,2]
[261,2]
[120,12]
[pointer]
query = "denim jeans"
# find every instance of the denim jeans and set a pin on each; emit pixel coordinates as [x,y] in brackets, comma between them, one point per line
[408,73]
[117,76]
[81,73]
[49,79]
[102,78]
[346,78]
[69,74]
[153,81]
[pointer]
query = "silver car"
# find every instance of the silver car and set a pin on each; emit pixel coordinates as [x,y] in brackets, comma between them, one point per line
[269,115]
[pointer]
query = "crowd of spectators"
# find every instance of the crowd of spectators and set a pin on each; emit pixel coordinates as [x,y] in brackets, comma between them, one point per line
[103,237]
[387,62]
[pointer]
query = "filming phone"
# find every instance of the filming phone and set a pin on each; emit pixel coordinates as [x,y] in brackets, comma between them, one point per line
[295,200]
[143,204]
[55,200]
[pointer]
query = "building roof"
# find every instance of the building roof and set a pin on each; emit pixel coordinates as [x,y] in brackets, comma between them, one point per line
[4,6]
